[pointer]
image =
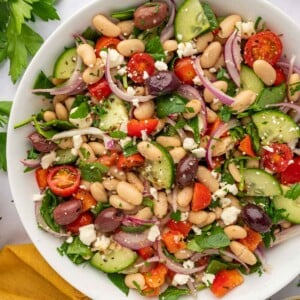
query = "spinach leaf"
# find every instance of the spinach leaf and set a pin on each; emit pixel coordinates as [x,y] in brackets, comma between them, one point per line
[117,134]
[225,113]
[119,281]
[170,104]
[48,134]
[173,293]
[58,124]
[3,164]
[98,208]
[210,15]
[129,149]
[90,34]
[293,192]
[195,126]
[81,111]
[155,49]
[92,172]
[148,202]
[176,215]
[43,82]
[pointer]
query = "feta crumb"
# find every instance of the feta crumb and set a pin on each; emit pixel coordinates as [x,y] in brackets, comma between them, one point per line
[189,144]
[37,197]
[180,279]
[224,202]
[69,240]
[197,230]
[144,135]
[101,243]
[199,152]
[130,91]
[184,216]
[208,278]
[186,49]
[153,193]
[145,75]
[197,81]
[160,65]
[87,234]
[246,29]
[122,71]
[125,141]
[188,264]
[48,159]
[135,102]
[230,214]
[77,142]
[153,233]
[115,58]
[269,149]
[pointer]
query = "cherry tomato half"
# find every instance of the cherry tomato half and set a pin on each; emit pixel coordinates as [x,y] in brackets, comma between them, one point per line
[280,76]
[184,70]
[277,159]
[135,127]
[106,42]
[140,66]
[264,45]
[63,180]
[100,89]
[131,161]
[292,173]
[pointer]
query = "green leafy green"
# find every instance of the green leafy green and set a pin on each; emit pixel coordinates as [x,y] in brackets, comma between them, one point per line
[3,165]
[222,75]
[196,127]
[48,134]
[214,266]
[119,281]
[92,172]
[148,202]
[169,104]
[117,134]
[176,215]
[129,148]
[125,14]
[210,15]
[295,87]
[155,49]
[173,293]
[57,125]
[271,95]
[225,113]
[293,192]
[81,111]
[5,107]
[90,34]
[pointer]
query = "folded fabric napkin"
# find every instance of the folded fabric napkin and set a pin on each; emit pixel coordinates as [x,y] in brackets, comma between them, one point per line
[25,275]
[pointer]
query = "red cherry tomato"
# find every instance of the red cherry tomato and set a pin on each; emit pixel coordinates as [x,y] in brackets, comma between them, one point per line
[135,127]
[100,89]
[140,66]
[264,45]
[292,173]
[134,160]
[280,76]
[184,70]
[63,180]
[85,218]
[106,42]
[278,159]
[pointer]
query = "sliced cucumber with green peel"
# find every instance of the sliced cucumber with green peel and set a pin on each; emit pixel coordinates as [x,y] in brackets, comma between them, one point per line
[250,81]
[115,113]
[260,183]
[190,21]
[161,173]
[65,64]
[64,156]
[114,260]
[291,207]
[275,126]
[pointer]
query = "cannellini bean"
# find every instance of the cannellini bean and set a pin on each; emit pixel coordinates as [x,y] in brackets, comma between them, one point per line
[135,281]
[59,98]
[218,212]
[235,232]
[227,26]
[110,184]
[117,202]
[235,172]
[86,153]
[293,81]
[184,196]
[133,179]
[169,141]
[66,143]
[243,100]
[98,192]
[93,74]
[198,217]
[115,172]
[129,47]
[87,54]
[49,115]
[285,224]
[177,154]
[222,146]
[126,27]
[211,116]
[234,201]
[105,26]
[160,207]
[170,45]
[85,185]
[183,254]
[204,176]
[243,253]
[69,102]
[149,151]
[129,193]
[264,71]
[211,55]
[144,214]
[98,148]
[220,85]
[203,41]
[61,112]
[211,217]
[193,107]
[144,111]
[220,62]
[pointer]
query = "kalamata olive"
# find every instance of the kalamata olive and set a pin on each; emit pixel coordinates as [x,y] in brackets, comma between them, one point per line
[67,212]
[108,220]
[162,83]
[150,15]
[255,217]
[186,170]
[40,143]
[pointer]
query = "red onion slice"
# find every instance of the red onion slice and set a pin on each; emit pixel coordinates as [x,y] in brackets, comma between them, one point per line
[31,163]
[175,267]
[168,31]
[215,136]
[259,252]
[133,241]
[225,99]
[120,93]
[286,234]
[73,132]
[285,67]
[137,221]
[147,261]
[286,104]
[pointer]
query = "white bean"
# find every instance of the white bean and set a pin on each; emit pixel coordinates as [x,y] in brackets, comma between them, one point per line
[149,151]
[227,26]
[198,217]
[177,154]
[129,47]
[86,153]
[220,85]
[204,176]
[145,110]
[115,172]
[144,214]
[98,148]
[160,207]
[243,253]
[126,27]
[49,115]
[170,45]
[203,41]
[193,107]
[169,141]
[117,202]
[135,281]
[87,54]
[105,26]
[94,73]
[235,232]
[294,80]
[235,172]
[129,193]
[110,184]
[222,146]
[133,179]
[264,71]
[61,112]
[243,100]
[211,55]
[184,196]
[98,192]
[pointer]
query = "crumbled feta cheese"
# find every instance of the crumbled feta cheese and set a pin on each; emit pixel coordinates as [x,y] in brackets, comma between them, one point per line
[122,71]
[180,279]
[48,159]
[153,192]
[101,243]
[224,190]
[269,149]
[230,214]
[246,29]
[125,141]
[130,91]
[219,194]
[123,126]
[87,234]
[37,197]
[77,142]
[81,123]
[135,102]
[153,233]
[224,202]
[208,278]
[144,135]
[186,49]
[115,58]
[69,240]
[160,65]
[145,75]
[197,230]
[199,152]
[197,81]
[189,144]
[188,264]
[184,216]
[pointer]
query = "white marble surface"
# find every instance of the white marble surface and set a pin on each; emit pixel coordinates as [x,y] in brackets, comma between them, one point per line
[11,229]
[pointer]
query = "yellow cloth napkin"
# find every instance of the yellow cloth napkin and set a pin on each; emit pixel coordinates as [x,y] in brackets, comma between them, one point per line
[25,275]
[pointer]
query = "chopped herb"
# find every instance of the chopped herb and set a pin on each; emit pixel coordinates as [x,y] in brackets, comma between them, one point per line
[210,15]
[293,192]
[173,293]
[147,201]
[81,112]
[225,113]
[92,172]
[129,149]
[170,104]
[119,281]
[155,49]
[118,134]
[176,216]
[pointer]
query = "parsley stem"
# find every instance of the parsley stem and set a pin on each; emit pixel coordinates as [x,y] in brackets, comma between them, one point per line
[23,123]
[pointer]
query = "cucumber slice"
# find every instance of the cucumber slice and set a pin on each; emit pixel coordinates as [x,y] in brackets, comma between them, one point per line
[115,114]
[292,207]
[114,260]
[64,156]
[260,183]
[190,21]
[161,173]
[65,64]
[275,126]
[250,81]
[271,95]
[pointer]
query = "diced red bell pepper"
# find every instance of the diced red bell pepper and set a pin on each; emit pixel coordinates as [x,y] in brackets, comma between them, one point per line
[109,160]
[134,160]
[146,252]
[88,201]
[85,218]
[252,240]
[100,89]
[246,146]
[41,178]
[156,277]
[182,226]
[174,240]
[201,197]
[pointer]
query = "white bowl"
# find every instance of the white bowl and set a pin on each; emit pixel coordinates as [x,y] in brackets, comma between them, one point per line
[284,259]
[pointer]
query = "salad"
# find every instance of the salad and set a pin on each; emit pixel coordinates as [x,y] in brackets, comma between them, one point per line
[168,152]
